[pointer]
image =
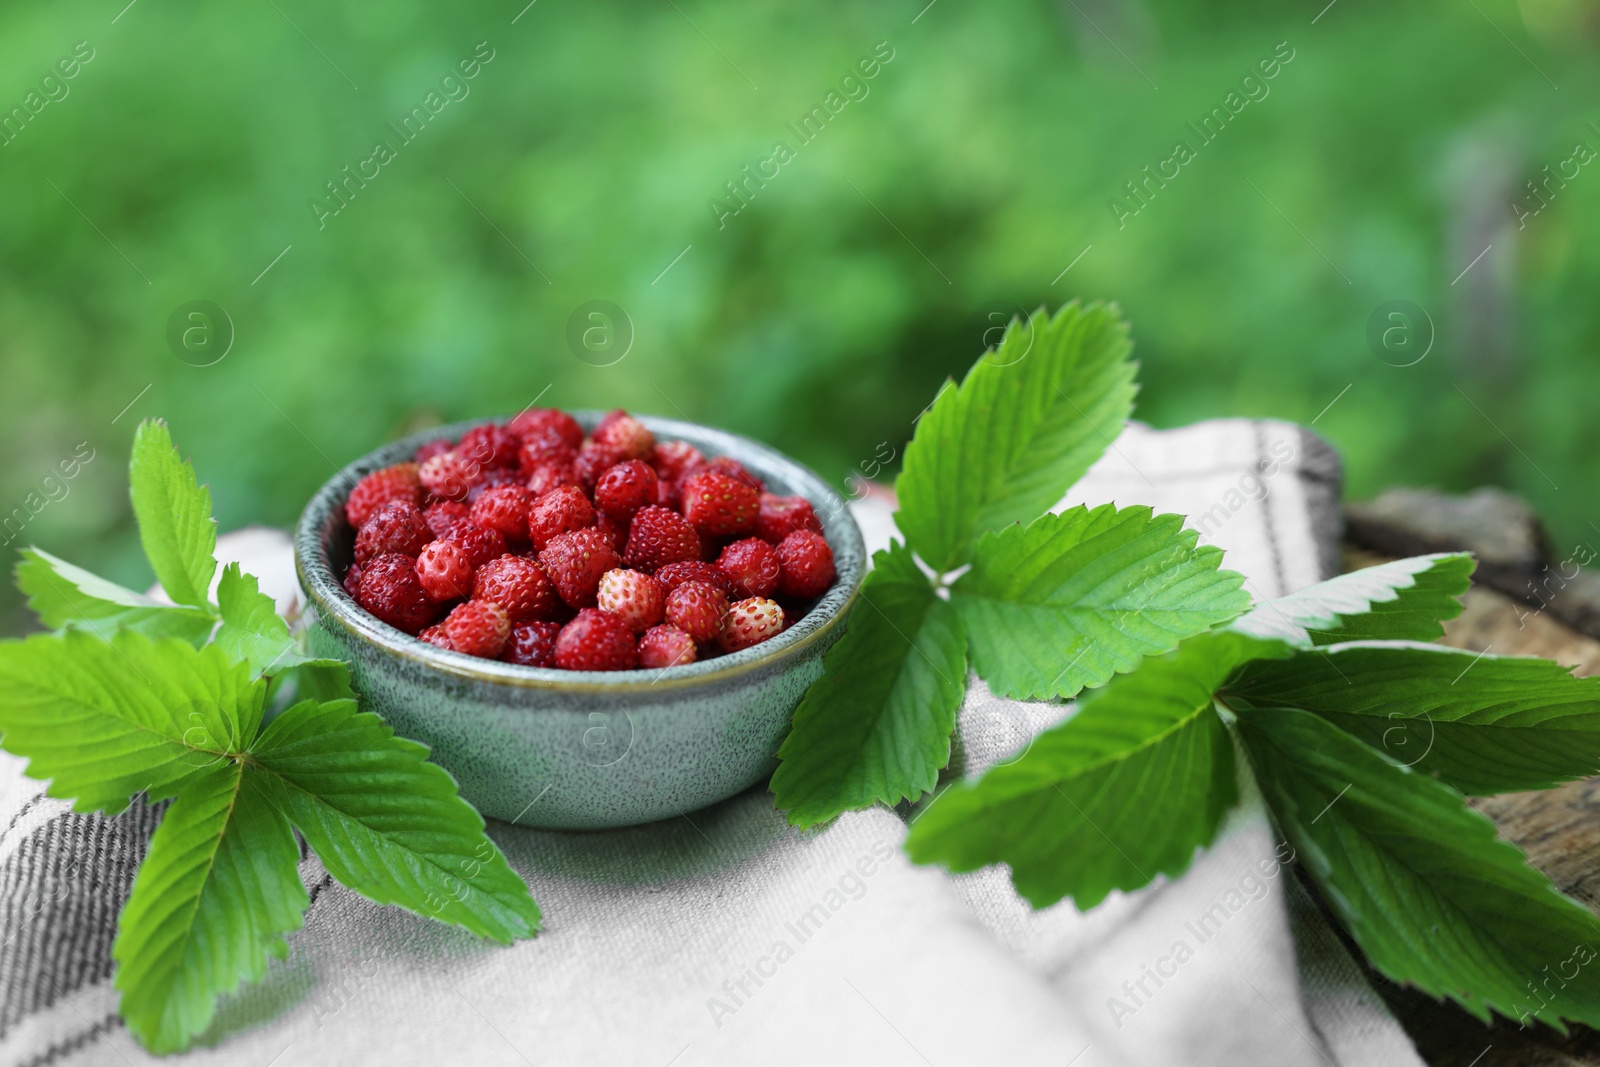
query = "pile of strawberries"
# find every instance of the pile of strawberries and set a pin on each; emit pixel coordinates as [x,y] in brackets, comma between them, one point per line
[531,543]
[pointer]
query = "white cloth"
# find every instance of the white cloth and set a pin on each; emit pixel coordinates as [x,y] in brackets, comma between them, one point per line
[726,938]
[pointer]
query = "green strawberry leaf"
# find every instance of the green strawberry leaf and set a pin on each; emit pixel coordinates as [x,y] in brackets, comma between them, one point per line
[174,513]
[1072,599]
[1124,790]
[68,597]
[1433,897]
[1404,600]
[388,824]
[252,631]
[216,894]
[106,719]
[1031,417]
[877,725]
[1483,724]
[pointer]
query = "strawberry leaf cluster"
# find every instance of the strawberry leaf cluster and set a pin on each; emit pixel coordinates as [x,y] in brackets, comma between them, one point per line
[130,697]
[1364,739]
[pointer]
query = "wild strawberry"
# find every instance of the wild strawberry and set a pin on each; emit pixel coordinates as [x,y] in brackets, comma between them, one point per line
[478,628]
[548,476]
[544,446]
[575,562]
[625,488]
[633,597]
[668,495]
[596,641]
[395,527]
[443,514]
[436,447]
[390,590]
[752,566]
[616,532]
[625,435]
[491,478]
[697,609]
[518,585]
[693,570]
[658,537]
[532,644]
[398,482]
[489,446]
[561,510]
[673,459]
[435,636]
[530,422]
[750,622]
[805,564]
[352,580]
[504,509]
[781,516]
[479,544]
[593,461]
[449,476]
[718,504]
[729,466]
[665,646]
[445,571]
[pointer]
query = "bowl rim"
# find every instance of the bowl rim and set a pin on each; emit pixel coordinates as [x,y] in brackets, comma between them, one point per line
[326,594]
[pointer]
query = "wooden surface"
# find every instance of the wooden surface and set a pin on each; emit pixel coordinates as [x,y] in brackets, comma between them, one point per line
[1559,829]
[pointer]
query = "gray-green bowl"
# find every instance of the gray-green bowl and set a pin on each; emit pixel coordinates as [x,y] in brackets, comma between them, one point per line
[591,749]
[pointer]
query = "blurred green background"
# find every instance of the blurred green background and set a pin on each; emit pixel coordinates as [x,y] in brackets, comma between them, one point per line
[185,155]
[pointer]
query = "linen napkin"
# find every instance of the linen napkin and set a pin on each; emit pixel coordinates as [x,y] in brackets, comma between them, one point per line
[725,937]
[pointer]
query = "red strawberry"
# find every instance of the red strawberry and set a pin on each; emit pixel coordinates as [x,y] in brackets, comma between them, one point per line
[395,527]
[805,563]
[633,597]
[625,488]
[352,580]
[718,504]
[673,459]
[750,622]
[561,510]
[398,482]
[433,448]
[492,477]
[443,514]
[548,476]
[518,585]
[530,422]
[479,544]
[625,435]
[435,636]
[596,641]
[658,537]
[729,466]
[697,609]
[545,446]
[575,562]
[693,570]
[390,590]
[489,446]
[445,571]
[478,628]
[752,566]
[504,509]
[668,495]
[532,644]
[665,646]
[449,476]
[781,516]
[593,461]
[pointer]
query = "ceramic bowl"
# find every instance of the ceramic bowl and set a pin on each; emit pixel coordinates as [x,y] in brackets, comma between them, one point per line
[581,749]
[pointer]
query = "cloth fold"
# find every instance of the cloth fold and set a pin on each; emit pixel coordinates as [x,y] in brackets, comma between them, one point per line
[726,937]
